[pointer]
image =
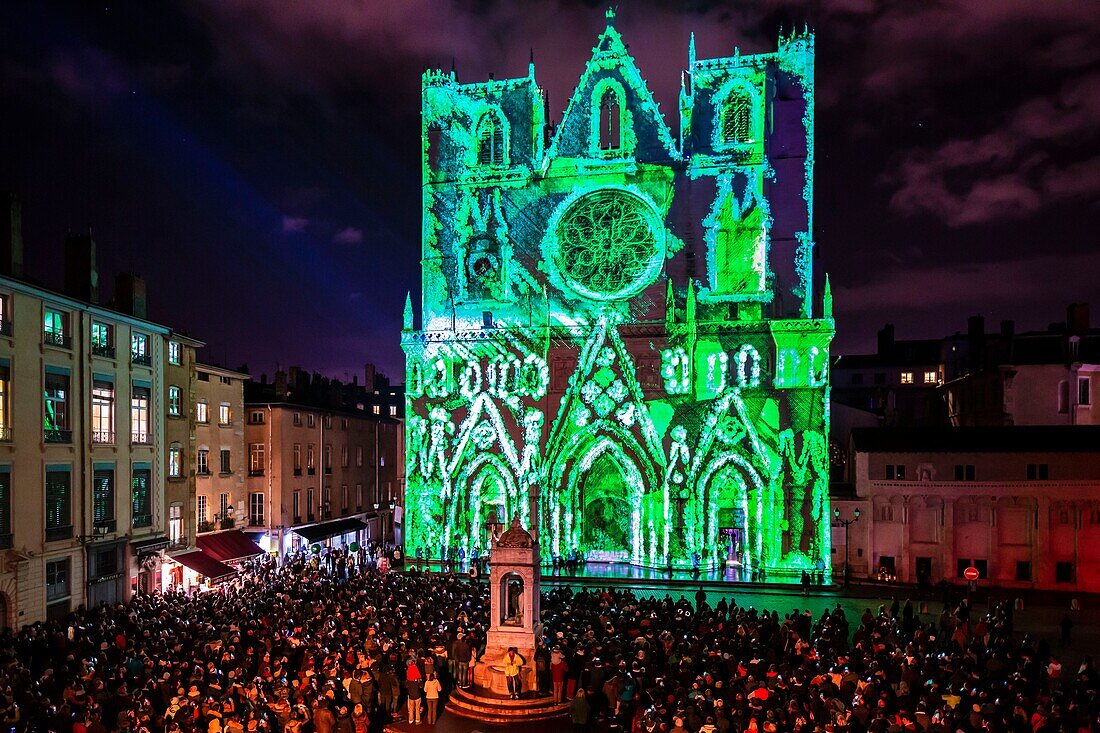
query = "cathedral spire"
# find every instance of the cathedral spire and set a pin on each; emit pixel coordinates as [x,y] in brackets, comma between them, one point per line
[691,51]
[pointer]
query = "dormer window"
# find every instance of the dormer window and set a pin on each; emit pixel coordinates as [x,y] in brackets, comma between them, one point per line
[490,140]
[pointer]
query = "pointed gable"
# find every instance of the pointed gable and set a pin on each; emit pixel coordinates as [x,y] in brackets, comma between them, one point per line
[638,130]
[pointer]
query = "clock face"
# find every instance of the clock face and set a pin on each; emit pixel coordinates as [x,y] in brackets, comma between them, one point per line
[607,245]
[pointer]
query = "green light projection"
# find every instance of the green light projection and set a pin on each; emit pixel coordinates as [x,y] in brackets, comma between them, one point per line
[618,327]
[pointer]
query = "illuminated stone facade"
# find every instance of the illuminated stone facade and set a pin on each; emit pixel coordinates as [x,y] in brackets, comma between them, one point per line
[619,324]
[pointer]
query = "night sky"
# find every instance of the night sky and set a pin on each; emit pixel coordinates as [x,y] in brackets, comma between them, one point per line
[257,161]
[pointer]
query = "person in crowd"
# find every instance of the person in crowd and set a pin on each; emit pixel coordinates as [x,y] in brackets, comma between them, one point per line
[432,689]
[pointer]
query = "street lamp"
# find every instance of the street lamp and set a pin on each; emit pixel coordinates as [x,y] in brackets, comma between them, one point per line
[847,523]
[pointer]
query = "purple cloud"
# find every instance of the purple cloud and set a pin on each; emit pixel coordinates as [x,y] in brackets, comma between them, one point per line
[294,224]
[348,235]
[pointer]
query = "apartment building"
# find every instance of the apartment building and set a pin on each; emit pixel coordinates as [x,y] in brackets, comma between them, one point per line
[179,436]
[321,475]
[220,449]
[81,467]
[1019,504]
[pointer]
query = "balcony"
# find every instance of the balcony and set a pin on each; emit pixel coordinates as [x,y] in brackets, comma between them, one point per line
[328,470]
[141,438]
[107,352]
[255,521]
[297,472]
[103,437]
[5,434]
[179,543]
[141,359]
[143,520]
[207,527]
[5,328]
[56,338]
[53,534]
[255,472]
[311,471]
[57,435]
[227,523]
[6,541]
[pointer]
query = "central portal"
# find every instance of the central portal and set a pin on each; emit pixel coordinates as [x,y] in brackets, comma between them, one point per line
[605,527]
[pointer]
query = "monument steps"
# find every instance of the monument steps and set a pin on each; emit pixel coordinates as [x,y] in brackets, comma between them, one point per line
[490,708]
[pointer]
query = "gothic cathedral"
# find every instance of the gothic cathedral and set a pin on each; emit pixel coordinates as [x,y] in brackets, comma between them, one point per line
[619,326]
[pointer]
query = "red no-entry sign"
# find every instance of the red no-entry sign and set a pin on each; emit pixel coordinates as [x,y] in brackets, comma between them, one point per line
[971,573]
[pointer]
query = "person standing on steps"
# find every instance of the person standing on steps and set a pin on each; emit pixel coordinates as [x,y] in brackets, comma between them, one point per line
[460,652]
[513,662]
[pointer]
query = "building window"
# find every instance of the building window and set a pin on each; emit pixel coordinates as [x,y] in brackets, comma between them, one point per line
[328,422]
[225,414]
[223,508]
[59,522]
[931,377]
[611,113]
[175,461]
[5,507]
[311,465]
[200,512]
[344,499]
[225,380]
[141,498]
[140,430]
[202,461]
[139,349]
[255,459]
[297,459]
[297,418]
[1023,570]
[256,417]
[309,504]
[907,377]
[490,140]
[359,497]
[57,579]
[1063,396]
[5,393]
[297,505]
[175,524]
[886,513]
[56,419]
[376,409]
[226,462]
[106,563]
[202,376]
[102,340]
[309,420]
[1063,572]
[344,424]
[393,410]
[174,352]
[103,497]
[344,456]
[964,472]
[1037,472]
[5,314]
[1083,395]
[895,472]
[736,119]
[103,411]
[256,509]
[326,502]
[202,412]
[358,455]
[54,328]
[328,459]
[175,402]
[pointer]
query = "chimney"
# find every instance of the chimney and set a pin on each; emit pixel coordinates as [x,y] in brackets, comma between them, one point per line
[81,278]
[130,294]
[11,235]
[1077,319]
[886,339]
[369,372]
[280,384]
[975,326]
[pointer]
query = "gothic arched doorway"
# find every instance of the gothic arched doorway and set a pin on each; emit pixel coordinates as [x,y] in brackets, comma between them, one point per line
[608,516]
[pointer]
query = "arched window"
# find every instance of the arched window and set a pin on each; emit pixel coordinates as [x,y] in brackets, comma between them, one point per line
[435,141]
[737,119]
[610,121]
[490,140]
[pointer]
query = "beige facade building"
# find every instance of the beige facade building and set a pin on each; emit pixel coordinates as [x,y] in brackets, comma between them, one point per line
[81,464]
[220,449]
[1019,504]
[321,476]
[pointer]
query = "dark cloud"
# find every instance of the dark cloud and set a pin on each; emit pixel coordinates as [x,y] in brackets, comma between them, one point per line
[956,140]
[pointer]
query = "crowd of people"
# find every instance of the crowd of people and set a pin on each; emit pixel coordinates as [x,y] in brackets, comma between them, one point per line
[303,647]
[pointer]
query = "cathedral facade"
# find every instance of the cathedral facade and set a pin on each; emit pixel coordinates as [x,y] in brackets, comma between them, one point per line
[619,327]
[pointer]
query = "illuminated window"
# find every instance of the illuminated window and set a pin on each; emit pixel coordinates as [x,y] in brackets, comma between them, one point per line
[297,459]
[931,377]
[175,523]
[376,409]
[175,401]
[393,410]
[737,119]
[102,340]
[202,461]
[175,461]
[311,464]
[140,424]
[103,411]
[55,328]
[225,414]
[56,422]
[139,349]
[610,121]
[907,377]
[200,509]
[255,459]
[256,509]
[202,412]
[490,140]
[174,352]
